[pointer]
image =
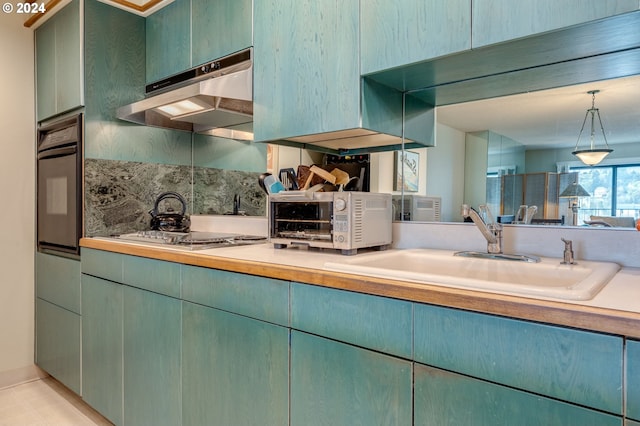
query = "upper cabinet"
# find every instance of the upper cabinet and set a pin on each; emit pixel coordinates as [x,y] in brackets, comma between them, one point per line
[401,32]
[499,20]
[307,84]
[187,33]
[59,77]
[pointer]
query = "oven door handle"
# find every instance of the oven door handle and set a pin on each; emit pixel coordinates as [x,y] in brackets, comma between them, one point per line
[58,152]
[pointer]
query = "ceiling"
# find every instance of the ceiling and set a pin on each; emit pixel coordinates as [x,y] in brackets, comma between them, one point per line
[553,118]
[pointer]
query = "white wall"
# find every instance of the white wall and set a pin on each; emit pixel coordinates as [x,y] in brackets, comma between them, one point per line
[17,180]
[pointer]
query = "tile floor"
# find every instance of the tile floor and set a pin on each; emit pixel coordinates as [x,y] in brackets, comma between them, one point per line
[45,402]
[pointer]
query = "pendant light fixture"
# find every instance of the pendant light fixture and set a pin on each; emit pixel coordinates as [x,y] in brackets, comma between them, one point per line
[593,155]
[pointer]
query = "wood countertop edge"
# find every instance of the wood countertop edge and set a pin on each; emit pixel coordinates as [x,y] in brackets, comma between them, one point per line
[584,317]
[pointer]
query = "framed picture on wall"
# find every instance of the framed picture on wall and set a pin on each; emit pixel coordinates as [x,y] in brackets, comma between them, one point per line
[406,168]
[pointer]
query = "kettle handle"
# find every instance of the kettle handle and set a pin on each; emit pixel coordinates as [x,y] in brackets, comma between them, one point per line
[166,195]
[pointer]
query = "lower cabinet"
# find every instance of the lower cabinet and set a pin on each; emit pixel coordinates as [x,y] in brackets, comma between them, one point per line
[633,379]
[57,318]
[235,369]
[446,398]
[333,383]
[102,320]
[152,349]
[58,343]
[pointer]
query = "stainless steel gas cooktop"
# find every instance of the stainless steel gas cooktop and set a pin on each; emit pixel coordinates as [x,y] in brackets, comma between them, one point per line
[192,240]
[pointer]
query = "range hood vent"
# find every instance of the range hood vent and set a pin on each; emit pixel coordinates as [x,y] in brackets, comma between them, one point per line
[214,98]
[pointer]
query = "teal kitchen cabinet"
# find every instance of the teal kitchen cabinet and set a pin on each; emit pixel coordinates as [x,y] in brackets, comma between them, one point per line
[307,86]
[401,32]
[633,379]
[570,365]
[495,21]
[58,318]
[235,369]
[235,348]
[333,383]
[152,329]
[59,66]
[102,342]
[446,398]
[187,33]
[373,322]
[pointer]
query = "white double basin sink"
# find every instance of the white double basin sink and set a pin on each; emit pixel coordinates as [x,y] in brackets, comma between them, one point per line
[547,278]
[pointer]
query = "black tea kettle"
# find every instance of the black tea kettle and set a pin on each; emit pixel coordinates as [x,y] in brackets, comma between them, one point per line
[170,220]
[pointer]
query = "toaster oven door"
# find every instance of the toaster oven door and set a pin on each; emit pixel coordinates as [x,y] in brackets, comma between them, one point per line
[302,221]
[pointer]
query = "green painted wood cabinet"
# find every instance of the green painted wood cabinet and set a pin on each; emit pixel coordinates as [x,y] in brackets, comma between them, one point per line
[495,21]
[306,71]
[633,379]
[152,358]
[373,322]
[102,342]
[187,33]
[58,318]
[401,32]
[571,365]
[59,65]
[338,384]
[58,343]
[235,369]
[446,398]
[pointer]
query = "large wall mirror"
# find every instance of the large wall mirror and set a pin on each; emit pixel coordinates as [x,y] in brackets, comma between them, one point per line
[502,135]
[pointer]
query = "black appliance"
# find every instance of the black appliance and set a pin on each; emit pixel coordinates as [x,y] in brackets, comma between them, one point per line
[59,185]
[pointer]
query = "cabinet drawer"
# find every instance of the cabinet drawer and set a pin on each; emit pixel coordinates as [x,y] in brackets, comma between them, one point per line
[153,275]
[58,343]
[571,365]
[442,397]
[373,322]
[261,298]
[102,264]
[633,379]
[58,281]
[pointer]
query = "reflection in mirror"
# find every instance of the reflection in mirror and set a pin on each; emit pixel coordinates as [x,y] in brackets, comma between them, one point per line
[516,151]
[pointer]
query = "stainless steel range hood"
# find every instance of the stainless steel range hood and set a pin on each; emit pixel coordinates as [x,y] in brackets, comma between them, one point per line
[214,98]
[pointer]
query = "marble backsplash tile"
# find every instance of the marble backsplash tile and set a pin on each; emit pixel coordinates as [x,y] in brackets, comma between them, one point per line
[119,194]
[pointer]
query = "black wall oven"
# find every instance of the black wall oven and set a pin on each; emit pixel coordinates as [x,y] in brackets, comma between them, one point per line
[59,188]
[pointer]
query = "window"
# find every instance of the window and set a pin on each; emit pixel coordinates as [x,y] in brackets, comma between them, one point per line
[614,190]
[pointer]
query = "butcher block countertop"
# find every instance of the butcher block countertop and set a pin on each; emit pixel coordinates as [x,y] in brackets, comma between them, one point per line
[615,309]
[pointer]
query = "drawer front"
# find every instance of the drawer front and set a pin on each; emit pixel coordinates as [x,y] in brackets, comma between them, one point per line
[58,343]
[633,379]
[445,398]
[372,322]
[102,264]
[153,275]
[256,297]
[58,281]
[571,365]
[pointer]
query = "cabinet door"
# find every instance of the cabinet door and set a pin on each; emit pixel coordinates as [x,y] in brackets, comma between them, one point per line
[499,20]
[58,343]
[59,63]
[306,76]
[400,32]
[69,75]
[168,44]
[235,369]
[220,28]
[102,371]
[46,69]
[152,358]
[445,398]
[337,384]
[633,379]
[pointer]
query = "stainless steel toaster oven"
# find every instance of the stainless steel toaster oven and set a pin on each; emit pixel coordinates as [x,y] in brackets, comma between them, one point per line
[345,221]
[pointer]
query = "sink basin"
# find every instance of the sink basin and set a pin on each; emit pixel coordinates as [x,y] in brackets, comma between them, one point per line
[547,278]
